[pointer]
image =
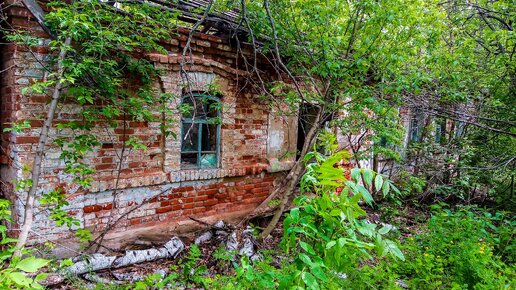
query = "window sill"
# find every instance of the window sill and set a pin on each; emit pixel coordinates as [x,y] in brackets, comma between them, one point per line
[214,173]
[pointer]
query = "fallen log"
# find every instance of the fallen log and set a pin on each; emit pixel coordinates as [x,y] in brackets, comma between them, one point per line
[98,262]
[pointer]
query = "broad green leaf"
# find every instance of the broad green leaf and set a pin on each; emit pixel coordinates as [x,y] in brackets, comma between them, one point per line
[305,259]
[294,214]
[318,272]
[365,194]
[31,264]
[368,176]
[342,242]
[355,174]
[330,244]
[378,182]
[310,280]
[41,277]
[394,250]
[385,188]
[385,229]
[335,212]
[20,279]
[307,248]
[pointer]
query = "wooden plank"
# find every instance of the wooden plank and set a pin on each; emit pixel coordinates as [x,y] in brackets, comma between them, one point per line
[39,14]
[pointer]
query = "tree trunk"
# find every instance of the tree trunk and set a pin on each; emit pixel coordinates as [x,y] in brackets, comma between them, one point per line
[285,189]
[40,152]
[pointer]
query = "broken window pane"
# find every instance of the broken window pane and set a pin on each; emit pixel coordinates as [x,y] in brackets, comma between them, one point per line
[208,160]
[189,159]
[213,108]
[190,137]
[193,107]
[209,137]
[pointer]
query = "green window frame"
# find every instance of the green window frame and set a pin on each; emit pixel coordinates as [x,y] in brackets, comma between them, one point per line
[415,124]
[200,131]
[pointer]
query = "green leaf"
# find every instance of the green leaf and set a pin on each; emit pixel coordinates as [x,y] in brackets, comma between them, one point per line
[342,242]
[41,277]
[385,188]
[365,194]
[66,263]
[368,176]
[20,279]
[294,214]
[309,280]
[330,244]
[8,240]
[378,182]
[305,259]
[395,189]
[355,174]
[384,229]
[307,248]
[394,250]
[31,264]
[318,272]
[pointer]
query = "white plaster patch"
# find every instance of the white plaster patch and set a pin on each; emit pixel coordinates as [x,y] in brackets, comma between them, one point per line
[199,81]
[275,140]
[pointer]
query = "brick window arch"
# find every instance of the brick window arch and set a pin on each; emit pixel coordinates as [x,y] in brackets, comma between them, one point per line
[200,130]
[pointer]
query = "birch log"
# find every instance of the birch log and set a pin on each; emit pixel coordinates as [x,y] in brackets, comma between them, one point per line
[98,262]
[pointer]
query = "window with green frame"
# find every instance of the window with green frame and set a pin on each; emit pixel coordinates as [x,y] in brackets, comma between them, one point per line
[416,123]
[200,131]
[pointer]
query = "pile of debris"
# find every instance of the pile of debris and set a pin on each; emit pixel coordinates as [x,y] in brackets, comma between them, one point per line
[222,233]
[127,268]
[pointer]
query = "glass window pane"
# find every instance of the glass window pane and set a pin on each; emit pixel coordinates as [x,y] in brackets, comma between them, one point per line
[209,137]
[190,137]
[208,160]
[189,159]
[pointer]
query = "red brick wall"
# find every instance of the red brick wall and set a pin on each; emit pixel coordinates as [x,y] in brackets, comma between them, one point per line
[180,203]
[239,184]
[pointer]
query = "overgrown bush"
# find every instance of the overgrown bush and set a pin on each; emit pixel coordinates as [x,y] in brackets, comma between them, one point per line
[463,249]
[460,249]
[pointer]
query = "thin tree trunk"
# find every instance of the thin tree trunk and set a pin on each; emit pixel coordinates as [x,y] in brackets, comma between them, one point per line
[40,151]
[286,188]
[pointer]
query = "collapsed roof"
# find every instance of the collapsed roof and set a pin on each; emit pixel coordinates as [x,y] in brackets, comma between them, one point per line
[222,23]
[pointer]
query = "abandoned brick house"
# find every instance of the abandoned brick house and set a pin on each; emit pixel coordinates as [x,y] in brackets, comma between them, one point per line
[220,171]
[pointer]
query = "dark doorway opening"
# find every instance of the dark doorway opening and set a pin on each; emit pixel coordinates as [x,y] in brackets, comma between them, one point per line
[307,115]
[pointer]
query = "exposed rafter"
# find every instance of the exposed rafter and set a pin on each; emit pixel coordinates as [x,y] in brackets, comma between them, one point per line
[39,15]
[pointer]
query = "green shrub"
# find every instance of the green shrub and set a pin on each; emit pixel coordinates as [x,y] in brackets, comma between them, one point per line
[463,249]
[325,237]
